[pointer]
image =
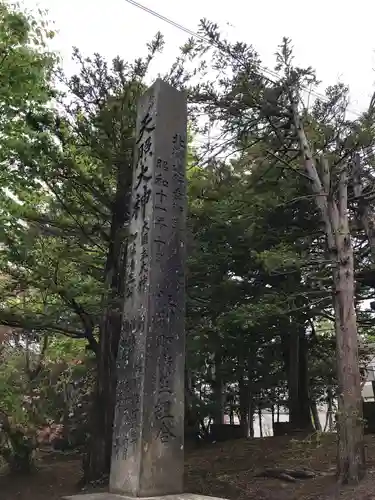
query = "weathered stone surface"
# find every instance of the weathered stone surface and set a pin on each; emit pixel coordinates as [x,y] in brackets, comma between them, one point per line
[148,439]
[111,496]
[95,496]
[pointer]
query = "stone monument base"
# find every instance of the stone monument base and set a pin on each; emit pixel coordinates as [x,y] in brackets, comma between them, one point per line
[112,496]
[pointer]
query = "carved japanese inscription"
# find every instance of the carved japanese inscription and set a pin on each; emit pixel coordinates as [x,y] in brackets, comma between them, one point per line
[147,457]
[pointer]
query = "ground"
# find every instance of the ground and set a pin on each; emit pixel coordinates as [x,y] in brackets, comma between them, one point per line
[225,470]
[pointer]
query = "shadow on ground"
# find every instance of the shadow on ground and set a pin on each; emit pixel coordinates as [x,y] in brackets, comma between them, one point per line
[228,470]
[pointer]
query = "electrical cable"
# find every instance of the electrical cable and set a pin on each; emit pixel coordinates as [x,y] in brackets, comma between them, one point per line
[200,37]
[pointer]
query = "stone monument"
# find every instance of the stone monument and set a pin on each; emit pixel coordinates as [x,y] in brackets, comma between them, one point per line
[148,432]
[148,455]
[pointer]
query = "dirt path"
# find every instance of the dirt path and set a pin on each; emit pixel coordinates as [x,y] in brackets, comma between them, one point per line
[225,470]
[56,476]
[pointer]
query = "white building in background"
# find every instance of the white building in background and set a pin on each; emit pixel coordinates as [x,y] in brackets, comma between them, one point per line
[283,417]
[368,394]
[368,388]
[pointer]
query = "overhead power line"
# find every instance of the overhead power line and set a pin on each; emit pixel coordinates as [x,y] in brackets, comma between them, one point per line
[167,20]
[204,39]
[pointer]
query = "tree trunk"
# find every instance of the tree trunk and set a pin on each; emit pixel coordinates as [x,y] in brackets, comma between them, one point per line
[260,422]
[250,395]
[250,432]
[366,215]
[315,415]
[192,417]
[305,421]
[329,420]
[298,381]
[97,462]
[231,416]
[293,379]
[244,406]
[218,391]
[351,456]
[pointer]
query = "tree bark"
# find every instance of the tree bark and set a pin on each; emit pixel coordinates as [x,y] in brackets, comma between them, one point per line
[231,416]
[351,456]
[243,406]
[351,453]
[192,418]
[293,379]
[315,415]
[250,395]
[296,353]
[250,417]
[260,422]
[303,381]
[365,215]
[329,420]
[97,461]
[218,391]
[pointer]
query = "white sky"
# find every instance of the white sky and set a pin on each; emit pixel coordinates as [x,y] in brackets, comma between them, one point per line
[336,38]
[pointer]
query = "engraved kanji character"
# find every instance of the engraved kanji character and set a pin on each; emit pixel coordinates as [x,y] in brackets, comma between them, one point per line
[159,248]
[172,304]
[142,283]
[160,221]
[147,146]
[162,164]
[142,176]
[140,153]
[163,340]
[161,195]
[166,430]
[144,148]
[132,245]
[163,409]
[177,195]
[141,202]
[144,233]
[178,176]
[145,126]
[130,282]
[178,141]
[159,181]
[144,258]
[161,318]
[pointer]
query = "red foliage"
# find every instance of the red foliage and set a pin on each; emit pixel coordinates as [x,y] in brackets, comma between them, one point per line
[47,434]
